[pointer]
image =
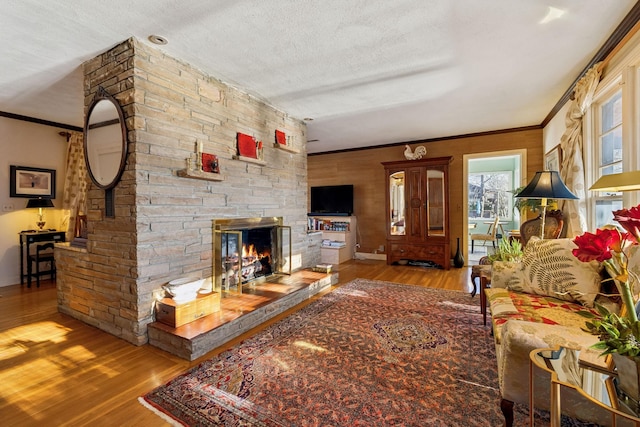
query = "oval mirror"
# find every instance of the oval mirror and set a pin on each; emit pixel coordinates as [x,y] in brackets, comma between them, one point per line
[105,140]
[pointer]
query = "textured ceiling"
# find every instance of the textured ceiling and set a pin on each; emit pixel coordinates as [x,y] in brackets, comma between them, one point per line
[367,73]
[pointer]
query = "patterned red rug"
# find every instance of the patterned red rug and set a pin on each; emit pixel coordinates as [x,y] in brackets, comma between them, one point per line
[370,353]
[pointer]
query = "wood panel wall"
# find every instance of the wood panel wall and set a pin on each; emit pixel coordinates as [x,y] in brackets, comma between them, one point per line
[362,168]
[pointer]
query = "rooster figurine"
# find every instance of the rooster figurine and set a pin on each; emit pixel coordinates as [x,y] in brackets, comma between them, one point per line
[415,155]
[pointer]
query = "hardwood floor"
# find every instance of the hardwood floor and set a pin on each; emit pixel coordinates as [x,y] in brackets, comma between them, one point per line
[58,371]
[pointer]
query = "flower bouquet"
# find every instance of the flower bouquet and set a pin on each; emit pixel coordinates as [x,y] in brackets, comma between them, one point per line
[619,334]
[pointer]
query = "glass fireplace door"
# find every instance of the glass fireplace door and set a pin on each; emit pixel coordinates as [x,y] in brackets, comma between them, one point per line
[249,255]
[282,261]
[227,260]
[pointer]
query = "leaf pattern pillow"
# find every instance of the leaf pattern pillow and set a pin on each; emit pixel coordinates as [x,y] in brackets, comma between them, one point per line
[549,268]
[503,272]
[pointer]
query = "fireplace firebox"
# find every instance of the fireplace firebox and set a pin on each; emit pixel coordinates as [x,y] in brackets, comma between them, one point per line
[248,250]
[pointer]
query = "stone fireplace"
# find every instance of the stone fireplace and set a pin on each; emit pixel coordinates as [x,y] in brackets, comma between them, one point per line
[249,250]
[162,228]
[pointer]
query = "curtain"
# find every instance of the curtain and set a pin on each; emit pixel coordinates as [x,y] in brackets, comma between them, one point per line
[572,170]
[75,185]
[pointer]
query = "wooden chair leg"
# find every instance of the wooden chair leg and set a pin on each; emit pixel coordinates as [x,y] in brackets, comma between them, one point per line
[506,406]
[484,284]
[29,271]
[473,283]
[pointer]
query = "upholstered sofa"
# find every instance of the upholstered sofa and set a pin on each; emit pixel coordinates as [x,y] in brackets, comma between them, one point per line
[535,304]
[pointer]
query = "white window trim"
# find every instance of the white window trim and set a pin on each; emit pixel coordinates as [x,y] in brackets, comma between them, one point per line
[625,76]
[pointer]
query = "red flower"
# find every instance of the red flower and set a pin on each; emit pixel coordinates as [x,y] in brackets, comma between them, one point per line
[630,220]
[619,240]
[608,246]
[595,246]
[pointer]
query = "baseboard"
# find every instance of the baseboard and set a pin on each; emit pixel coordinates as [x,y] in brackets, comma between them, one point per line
[367,255]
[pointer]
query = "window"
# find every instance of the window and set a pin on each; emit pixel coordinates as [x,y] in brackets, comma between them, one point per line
[608,154]
[490,194]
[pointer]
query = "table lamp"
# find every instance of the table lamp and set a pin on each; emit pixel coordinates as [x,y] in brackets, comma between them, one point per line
[624,181]
[546,185]
[40,203]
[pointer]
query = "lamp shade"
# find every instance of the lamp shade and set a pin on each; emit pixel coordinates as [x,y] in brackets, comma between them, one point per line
[546,185]
[625,181]
[39,203]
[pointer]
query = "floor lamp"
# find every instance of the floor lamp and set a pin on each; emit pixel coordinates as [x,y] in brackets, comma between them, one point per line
[546,185]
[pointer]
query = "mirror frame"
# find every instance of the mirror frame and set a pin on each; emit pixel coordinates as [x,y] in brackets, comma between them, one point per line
[102,95]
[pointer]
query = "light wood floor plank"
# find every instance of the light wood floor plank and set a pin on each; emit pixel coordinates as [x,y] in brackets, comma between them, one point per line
[58,371]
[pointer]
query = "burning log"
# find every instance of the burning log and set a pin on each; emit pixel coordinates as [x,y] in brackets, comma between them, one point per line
[254,264]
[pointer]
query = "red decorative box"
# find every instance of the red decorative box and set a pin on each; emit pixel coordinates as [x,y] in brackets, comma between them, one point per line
[281,138]
[210,163]
[247,146]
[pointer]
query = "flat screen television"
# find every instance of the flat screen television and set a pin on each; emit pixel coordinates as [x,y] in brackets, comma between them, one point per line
[332,200]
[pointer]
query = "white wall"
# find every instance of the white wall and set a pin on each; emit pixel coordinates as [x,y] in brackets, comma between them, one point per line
[554,130]
[25,144]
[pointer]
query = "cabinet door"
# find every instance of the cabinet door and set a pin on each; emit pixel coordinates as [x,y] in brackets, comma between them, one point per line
[436,217]
[416,203]
[396,209]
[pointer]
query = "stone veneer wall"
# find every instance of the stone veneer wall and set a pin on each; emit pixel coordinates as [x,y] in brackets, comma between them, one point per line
[162,227]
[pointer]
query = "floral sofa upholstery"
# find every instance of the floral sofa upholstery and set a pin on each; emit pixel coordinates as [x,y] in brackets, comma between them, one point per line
[536,304]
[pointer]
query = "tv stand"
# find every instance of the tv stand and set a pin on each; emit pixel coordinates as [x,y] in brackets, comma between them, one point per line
[328,214]
[335,228]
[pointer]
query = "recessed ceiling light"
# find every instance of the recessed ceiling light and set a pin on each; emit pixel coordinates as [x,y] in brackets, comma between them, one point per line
[157,39]
[308,119]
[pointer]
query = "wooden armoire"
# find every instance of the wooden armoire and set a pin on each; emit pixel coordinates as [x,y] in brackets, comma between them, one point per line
[417,211]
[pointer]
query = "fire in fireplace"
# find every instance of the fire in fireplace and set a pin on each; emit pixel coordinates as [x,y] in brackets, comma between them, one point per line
[255,253]
[249,249]
[257,263]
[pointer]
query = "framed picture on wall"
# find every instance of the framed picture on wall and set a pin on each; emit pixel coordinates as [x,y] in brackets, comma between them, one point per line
[553,159]
[31,182]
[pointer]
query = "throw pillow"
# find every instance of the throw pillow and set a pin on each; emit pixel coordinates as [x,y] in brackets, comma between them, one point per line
[549,268]
[502,272]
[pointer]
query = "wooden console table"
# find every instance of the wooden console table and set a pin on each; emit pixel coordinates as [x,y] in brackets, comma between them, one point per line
[482,272]
[29,237]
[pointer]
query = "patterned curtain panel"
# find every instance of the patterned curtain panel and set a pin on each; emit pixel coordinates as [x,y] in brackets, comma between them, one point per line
[75,185]
[572,170]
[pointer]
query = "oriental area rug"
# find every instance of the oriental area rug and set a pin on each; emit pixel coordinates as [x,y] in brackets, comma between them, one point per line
[370,353]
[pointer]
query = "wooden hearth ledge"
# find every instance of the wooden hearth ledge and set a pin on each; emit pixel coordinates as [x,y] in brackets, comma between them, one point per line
[239,313]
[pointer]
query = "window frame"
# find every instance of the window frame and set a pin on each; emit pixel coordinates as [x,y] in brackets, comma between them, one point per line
[623,75]
[601,99]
